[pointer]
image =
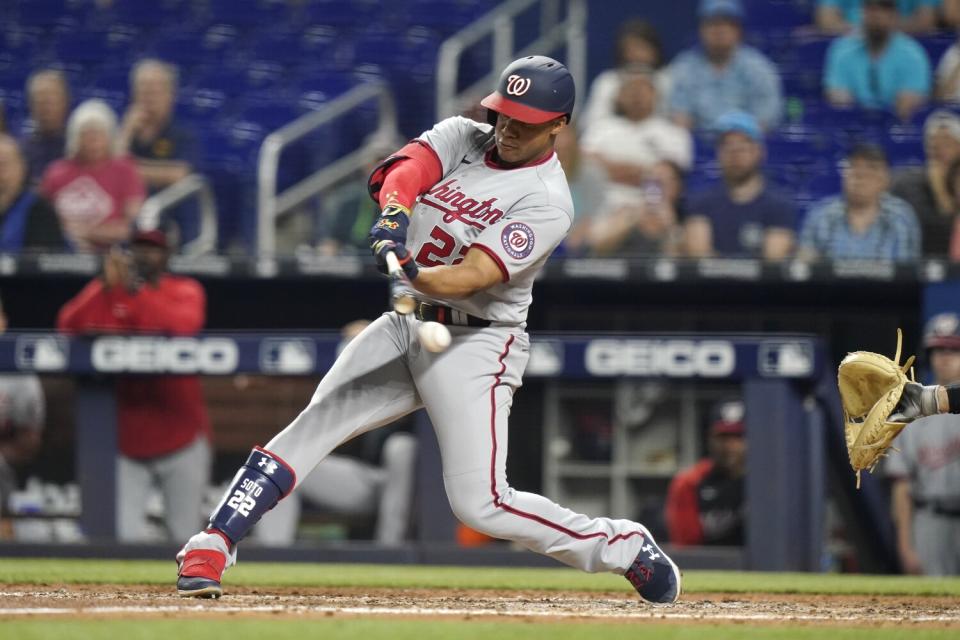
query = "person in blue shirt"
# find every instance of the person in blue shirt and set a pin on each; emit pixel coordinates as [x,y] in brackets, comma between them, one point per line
[843,16]
[743,216]
[865,222]
[723,74]
[879,67]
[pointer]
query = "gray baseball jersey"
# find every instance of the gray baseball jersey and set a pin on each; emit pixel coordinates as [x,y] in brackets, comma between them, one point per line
[929,455]
[517,216]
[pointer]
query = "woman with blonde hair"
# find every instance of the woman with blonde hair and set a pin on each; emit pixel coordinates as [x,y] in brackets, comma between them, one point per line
[96,193]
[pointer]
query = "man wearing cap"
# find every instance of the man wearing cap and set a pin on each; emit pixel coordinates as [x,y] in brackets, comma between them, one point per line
[744,215]
[723,74]
[843,16]
[865,222]
[163,429]
[705,502]
[878,67]
[925,468]
[926,189]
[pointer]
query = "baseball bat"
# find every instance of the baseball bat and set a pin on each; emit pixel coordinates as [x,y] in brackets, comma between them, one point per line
[401,292]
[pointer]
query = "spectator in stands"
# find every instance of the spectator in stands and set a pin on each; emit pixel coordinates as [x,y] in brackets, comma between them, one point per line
[587,181]
[865,222]
[96,193]
[948,72]
[646,225]
[27,221]
[46,138]
[925,468]
[844,16]
[951,13]
[879,67]
[163,429]
[926,188]
[744,215]
[165,151]
[953,188]
[379,483]
[723,74]
[638,44]
[705,503]
[22,417]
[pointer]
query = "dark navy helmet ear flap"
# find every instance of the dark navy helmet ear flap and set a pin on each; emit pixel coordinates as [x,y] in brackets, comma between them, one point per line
[534,89]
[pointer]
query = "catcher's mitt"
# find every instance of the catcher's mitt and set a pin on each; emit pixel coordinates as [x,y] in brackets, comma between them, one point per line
[870,387]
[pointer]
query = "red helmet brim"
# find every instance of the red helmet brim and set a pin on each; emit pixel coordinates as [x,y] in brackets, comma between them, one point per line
[517,111]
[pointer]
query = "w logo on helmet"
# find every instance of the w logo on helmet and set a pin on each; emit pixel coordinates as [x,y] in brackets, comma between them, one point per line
[517,85]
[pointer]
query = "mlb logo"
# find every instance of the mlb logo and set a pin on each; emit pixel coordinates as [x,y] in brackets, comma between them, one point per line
[290,356]
[785,359]
[42,353]
[546,358]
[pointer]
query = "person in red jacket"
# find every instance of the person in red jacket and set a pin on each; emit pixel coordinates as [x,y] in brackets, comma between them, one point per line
[163,428]
[705,502]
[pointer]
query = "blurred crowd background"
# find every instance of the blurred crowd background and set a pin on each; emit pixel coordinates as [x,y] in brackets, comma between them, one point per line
[769,128]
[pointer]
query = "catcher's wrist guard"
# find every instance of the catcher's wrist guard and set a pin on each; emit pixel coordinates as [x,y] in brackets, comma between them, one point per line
[929,405]
[953,398]
[872,389]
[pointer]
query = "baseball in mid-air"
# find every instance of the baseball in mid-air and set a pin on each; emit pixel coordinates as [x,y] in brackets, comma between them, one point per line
[434,336]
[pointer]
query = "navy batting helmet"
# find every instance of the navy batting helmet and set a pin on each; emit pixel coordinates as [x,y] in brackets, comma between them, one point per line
[942,332]
[534,89]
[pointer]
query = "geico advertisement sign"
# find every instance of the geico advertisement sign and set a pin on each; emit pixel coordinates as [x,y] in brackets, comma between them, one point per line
[674,358]
[164,355]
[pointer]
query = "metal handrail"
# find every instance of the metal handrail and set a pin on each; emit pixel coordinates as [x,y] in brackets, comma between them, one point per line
[270,204]
[500,23]
[193,185]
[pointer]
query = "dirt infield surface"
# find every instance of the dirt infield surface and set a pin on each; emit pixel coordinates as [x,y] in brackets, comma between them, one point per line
[125,601]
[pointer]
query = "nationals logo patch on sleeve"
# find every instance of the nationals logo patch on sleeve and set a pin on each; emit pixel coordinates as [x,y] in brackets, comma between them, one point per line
[517,240]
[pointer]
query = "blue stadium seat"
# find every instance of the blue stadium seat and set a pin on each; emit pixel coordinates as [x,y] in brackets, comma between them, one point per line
[343,14]
[770,14]
[94,46]
[155,13]
[49,13]
[247,13]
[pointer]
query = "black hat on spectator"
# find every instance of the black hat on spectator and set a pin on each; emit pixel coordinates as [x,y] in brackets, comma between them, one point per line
[153,238]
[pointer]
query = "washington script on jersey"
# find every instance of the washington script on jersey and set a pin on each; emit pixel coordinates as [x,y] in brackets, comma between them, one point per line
[676,358]
[115,354]
[461,206]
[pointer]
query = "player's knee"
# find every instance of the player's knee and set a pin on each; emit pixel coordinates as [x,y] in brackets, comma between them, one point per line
[472,504]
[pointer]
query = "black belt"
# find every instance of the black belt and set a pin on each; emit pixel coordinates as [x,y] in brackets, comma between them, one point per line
[445,315]
[938,508]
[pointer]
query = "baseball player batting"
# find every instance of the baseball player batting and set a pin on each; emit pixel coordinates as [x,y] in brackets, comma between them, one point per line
[472,211]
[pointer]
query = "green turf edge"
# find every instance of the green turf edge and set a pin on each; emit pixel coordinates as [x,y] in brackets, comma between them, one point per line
[360,629]
[46,571]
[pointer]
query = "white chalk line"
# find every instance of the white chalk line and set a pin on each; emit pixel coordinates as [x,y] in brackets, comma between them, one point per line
[655,613]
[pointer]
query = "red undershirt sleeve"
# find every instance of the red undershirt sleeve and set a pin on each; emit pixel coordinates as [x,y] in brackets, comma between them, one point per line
[415,168]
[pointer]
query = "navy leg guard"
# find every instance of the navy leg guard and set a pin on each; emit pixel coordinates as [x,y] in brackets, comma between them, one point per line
[256,489]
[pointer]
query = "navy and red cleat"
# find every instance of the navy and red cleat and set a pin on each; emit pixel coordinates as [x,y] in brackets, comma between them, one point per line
[199,575]
[202,562]
[653,574]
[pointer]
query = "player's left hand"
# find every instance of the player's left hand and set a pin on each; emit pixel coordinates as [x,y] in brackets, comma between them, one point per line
[380,249]
[391,225]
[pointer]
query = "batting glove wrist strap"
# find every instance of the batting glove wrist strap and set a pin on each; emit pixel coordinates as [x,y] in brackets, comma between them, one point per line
[257,487]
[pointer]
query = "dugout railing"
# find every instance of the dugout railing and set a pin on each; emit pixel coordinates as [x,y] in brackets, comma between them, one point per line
[779,376]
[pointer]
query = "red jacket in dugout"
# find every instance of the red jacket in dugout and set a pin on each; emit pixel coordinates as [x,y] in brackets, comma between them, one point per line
[157,415]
